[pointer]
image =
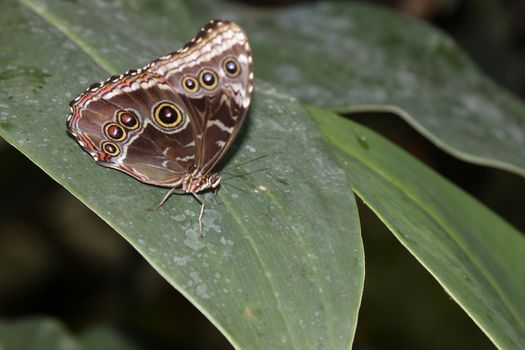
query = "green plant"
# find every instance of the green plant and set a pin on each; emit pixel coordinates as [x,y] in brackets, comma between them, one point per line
[282,262]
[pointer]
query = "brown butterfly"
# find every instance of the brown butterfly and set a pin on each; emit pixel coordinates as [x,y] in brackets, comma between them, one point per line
[169,123]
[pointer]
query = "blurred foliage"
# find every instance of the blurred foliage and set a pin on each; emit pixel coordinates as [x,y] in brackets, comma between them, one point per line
[43,250]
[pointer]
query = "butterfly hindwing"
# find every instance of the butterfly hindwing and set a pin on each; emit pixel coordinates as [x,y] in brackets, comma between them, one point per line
[124,115]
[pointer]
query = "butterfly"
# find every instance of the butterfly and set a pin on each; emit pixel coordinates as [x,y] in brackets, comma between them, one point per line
[169,123]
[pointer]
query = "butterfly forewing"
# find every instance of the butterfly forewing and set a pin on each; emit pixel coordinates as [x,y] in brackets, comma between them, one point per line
[219,62]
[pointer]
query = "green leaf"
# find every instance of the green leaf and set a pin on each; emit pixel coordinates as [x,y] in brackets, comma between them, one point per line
[50,334]
[353,58]
[36,334]
[473,254]
[281,260]
[105,337]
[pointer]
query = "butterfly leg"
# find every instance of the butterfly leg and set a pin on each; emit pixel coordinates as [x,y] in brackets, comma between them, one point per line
[201,215]
[216,196]
[165,198]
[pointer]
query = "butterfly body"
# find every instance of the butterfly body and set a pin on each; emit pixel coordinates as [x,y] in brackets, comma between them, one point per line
[195,183]
[169,123]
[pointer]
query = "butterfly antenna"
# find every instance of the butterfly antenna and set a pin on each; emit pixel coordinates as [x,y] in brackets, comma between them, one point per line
[236,166]
[237,188]
[249,161]
[232,176]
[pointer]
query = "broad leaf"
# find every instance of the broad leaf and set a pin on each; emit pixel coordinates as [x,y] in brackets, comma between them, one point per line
[281,260]
[474,255]
[352,57]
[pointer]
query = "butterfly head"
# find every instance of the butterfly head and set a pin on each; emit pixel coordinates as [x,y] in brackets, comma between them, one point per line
[193,183]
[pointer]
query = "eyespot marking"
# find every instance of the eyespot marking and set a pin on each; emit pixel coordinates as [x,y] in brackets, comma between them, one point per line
[208,79]
[114,132]
[128,119]
[190,84]
[167,115]
[231,67]
[110,148]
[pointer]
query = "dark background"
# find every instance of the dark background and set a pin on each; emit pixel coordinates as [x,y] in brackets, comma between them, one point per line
[48,238]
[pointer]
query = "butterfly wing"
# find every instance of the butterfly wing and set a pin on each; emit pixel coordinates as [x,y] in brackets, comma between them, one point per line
[213,74]
[178,114]
[123,124]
